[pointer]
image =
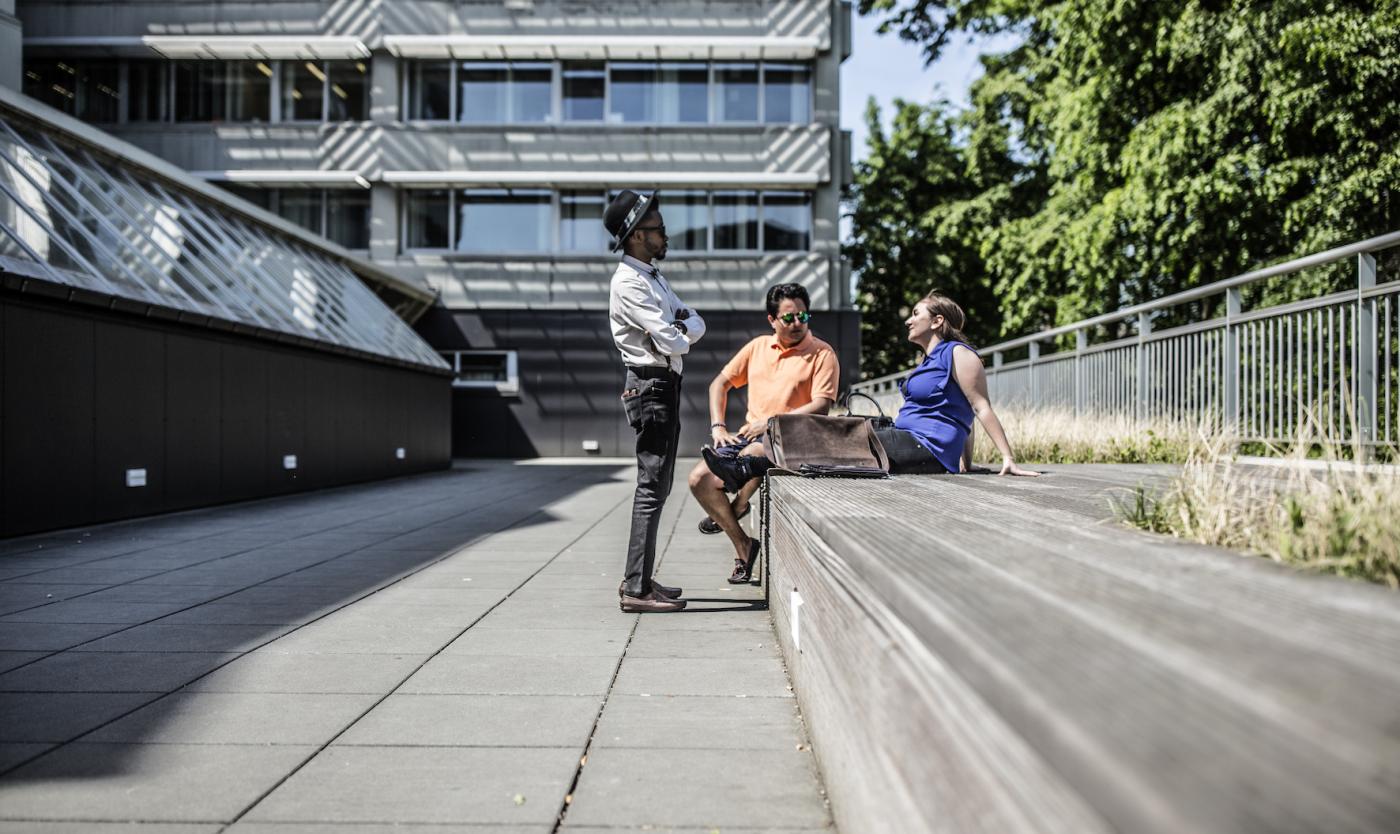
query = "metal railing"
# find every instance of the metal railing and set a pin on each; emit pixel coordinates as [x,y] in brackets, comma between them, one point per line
[1328,366]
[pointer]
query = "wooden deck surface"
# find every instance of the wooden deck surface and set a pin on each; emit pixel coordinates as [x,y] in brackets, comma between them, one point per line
[976,653]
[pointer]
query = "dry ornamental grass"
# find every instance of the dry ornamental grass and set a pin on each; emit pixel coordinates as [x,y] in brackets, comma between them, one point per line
[1326,514]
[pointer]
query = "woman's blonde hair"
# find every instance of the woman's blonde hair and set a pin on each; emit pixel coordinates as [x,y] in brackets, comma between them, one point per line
[954,320]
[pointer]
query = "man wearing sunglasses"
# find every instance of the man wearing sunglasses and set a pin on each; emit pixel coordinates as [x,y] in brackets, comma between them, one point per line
[788,371]
[652,329]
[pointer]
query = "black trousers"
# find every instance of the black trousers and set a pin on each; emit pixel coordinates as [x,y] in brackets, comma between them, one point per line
[907,455]
[651,398]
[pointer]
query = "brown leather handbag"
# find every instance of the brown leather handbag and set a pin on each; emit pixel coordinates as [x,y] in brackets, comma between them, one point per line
[816,445]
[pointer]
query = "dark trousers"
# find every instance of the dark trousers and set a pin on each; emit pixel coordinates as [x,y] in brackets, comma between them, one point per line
[651,398]
[907,455]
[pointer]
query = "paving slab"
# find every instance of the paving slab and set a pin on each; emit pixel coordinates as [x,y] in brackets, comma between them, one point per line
[477,720]
[701,788]
[61,716]
[483,785]
[148,782]
[186,637]
[679,722]
[310,673]
[52,636]
[238,718]
[461,674]
[112,671]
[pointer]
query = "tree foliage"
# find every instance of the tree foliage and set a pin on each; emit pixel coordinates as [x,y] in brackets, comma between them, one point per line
[1124,150]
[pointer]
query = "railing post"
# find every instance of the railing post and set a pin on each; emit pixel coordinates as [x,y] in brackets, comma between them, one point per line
[1144,330]
[1230,362]
[1365,356]
[1030,371]
[1081,341]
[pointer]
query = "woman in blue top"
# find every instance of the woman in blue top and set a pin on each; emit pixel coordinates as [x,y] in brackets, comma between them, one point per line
[941,396]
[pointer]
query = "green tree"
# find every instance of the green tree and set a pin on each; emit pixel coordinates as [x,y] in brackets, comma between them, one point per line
[1156,146]
[916,212]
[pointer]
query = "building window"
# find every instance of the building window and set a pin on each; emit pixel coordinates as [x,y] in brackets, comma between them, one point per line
[736,92]
[497,370]
[503,221]
[348,100]
[518,221]
[320,91]
[504,93]
[338,214]
[585,90]
[787,221]
[659,93]
[147,91]
[618,92]
[736,220]
[303,91]
[427,218]
[687,216]
[787,93]
[430,91]
[85,89]
[581,221]
[223,91]
[347,217]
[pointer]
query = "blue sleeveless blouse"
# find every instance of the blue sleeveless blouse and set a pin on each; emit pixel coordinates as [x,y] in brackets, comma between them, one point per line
[935,409]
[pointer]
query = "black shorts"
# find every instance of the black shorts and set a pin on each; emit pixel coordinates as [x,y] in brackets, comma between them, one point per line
[907,455]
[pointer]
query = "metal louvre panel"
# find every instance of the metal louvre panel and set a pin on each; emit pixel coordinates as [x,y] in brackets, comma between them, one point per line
[86,221]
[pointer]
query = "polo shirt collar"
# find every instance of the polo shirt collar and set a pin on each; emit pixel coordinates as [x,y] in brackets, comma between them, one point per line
[801,347]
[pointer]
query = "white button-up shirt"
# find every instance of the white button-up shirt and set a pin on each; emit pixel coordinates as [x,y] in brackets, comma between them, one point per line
[642,310]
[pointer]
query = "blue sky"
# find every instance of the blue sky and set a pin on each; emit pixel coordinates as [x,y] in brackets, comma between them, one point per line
[887,68]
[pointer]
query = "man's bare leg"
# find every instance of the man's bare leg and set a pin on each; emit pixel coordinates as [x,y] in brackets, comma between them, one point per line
[709,492]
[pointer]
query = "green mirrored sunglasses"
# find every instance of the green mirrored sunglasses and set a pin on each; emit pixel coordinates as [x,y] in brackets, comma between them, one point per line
[787,318]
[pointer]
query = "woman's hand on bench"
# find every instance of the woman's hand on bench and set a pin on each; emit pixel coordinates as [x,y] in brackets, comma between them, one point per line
[1009,467]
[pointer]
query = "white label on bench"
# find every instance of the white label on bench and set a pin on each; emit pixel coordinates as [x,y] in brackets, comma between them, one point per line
[289,461]
[135,477]
[796,618]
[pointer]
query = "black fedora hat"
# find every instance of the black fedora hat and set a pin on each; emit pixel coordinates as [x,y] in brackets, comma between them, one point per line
[624,213]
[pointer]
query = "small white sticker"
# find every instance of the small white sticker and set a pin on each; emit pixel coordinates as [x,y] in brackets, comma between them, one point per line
[590,445]
[400,453]
[289,461]
[135,477]
[796,618]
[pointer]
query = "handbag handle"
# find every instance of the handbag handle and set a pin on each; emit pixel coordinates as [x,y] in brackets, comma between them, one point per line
[846,403]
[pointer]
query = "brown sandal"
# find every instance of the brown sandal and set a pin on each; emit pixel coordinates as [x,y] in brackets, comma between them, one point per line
[743,571]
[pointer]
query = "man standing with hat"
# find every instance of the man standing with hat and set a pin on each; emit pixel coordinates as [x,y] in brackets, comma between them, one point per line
[652,329]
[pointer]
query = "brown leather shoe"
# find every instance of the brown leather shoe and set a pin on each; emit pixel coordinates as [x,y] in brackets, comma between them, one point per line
[652,603]
[664,590]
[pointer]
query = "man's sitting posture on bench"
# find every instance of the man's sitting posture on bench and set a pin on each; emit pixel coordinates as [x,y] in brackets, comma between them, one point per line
[789,371]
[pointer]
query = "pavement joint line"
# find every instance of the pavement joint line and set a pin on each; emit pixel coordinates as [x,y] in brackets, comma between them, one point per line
[205,561]
[280,782]
[314,496]
[607,694]
[78,646]
[443,557]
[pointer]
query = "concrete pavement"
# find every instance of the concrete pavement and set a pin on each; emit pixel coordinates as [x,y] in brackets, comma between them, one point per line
[444,650]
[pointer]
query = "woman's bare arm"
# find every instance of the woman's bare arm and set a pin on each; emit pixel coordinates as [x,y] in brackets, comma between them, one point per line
[972,379]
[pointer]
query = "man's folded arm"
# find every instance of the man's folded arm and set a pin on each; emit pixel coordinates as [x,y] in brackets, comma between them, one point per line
[669,339]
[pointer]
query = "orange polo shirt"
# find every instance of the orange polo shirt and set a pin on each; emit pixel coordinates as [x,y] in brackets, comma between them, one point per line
[781,380]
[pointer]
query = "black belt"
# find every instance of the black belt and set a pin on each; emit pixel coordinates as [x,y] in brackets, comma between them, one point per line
[651,371]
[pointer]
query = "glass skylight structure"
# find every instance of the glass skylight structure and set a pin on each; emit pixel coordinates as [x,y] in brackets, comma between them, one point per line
[75,216]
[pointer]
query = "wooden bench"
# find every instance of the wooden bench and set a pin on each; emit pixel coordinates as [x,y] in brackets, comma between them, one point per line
[983,654]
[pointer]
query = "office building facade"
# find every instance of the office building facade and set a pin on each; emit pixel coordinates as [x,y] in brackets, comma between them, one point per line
[469,147]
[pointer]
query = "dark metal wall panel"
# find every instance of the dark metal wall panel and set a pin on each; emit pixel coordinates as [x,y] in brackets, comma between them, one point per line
[286,425]
[324,400]
[49,415]
[129,419]
[86,394]
[245,459]
[193,427]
